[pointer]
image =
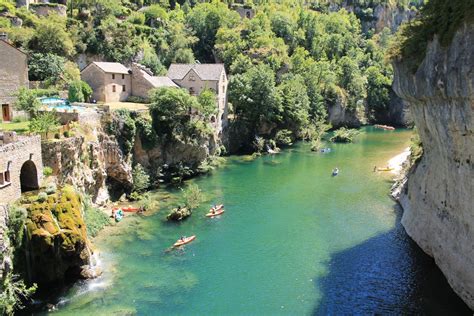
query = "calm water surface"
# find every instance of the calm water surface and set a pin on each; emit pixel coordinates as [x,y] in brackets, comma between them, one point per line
[293,240]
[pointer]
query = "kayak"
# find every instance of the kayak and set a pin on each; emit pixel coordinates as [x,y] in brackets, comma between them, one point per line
[216,213]
[186,240]
[386,127]
[384,169]
[127,209]
[335,172]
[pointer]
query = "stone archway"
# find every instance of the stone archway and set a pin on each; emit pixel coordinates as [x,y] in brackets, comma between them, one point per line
[29,177]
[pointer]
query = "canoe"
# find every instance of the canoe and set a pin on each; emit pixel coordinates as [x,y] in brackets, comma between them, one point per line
[186,240]
[384,169]
[127,209]
[217,213]
[386,127]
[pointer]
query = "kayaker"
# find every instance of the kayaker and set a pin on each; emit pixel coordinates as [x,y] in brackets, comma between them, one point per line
[183,238]
[375,168]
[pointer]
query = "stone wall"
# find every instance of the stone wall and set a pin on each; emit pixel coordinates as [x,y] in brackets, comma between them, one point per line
[13,72]
[12,158]
[438,197]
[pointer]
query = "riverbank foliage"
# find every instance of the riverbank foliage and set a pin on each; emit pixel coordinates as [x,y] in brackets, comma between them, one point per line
[344,135]
[288,65]
[94,218]
[438,17]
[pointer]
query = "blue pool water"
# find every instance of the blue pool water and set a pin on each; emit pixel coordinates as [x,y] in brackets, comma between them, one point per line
[60,104]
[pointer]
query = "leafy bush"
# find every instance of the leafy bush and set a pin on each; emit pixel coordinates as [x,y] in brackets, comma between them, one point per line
[16,222]
[47,171]
[44,123]
[51,189]
[283,138]
[136,99]
[42,196]
[259,144]
[67,134]
[79,91]
[94,218]
[193,196]
[148,203]
[43,67]
[141,180]
[344,135]
[14,293]
[27,101]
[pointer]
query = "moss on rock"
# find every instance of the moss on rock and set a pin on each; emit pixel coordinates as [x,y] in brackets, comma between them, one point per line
[57,237]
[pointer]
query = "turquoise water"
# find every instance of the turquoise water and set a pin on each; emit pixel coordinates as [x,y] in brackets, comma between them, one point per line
[60,104]
[293,241]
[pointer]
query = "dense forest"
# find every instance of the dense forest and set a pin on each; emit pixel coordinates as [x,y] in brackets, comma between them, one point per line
[287,65]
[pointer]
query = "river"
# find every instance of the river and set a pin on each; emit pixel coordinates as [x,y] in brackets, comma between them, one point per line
[293,241]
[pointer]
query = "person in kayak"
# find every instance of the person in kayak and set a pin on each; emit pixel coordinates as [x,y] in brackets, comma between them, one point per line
[183,238]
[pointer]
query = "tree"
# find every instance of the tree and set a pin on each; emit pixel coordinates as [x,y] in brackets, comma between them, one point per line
[45,67]
[170,110]
[27,101]
[378,90]
[43,123]
[208,103]
[295,103]
[79,91]
[141,180]
[254,97]
[193,196]
[52,37]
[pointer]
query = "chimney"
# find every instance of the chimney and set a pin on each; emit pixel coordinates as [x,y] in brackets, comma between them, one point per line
[3,36]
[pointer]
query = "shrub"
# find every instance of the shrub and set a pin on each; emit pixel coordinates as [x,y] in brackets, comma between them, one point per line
[344,135]
[148,203]
[136,99]
[283,138]
[135,196]
[193,196]
[42,196]
[259,144]
[47,171]
[51,189]
[94,218]
[57,135]
[16,222]
[141,180]
[67,134]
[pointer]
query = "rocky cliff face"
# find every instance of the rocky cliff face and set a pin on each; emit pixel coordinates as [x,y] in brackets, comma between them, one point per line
[438,197]
[88,165]
[379,16]
[57,247]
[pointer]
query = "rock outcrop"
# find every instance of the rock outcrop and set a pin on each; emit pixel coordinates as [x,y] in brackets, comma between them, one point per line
[57,247]
[88,165]
[438,197]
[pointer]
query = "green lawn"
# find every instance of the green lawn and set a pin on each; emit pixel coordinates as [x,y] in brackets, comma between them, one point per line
[20,127]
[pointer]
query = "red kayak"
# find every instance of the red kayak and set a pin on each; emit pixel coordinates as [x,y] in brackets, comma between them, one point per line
[127,209]
[182,242]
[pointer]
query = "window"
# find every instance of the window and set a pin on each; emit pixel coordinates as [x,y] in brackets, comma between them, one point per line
[113,88]
[192,78]
[123,77]
[123,88]
[113,76]
[7,176]
[191,91]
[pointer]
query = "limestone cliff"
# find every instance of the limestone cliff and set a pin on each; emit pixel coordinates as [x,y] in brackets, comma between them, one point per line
[57,246]
[88,164]
[438,197]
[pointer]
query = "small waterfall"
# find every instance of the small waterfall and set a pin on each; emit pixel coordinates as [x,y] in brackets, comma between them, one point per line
[56,221]
[94,262]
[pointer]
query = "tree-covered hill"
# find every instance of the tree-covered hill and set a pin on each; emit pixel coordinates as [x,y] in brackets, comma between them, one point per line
[288,65]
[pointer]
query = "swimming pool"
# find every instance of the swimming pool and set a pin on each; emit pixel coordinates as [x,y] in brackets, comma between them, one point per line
[59,104]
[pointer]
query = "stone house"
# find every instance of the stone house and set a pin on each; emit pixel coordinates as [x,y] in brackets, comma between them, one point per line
[113,82]
[110,82]
[143,81]
[197,77]
[13,75]
[21,165]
